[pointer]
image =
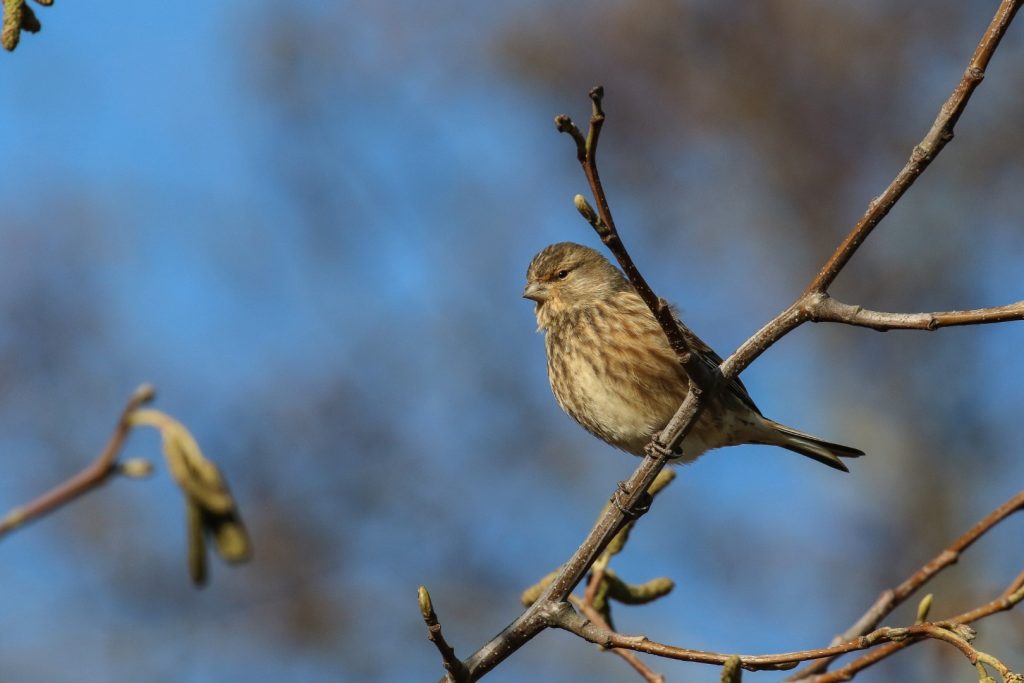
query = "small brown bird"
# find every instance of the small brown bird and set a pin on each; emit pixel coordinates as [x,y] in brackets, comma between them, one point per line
[612,370]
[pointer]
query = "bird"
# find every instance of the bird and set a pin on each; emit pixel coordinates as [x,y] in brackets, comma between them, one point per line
[612,370]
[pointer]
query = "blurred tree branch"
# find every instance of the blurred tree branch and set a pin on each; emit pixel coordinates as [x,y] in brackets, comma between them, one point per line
[551,608]
[211,509]
[95,475]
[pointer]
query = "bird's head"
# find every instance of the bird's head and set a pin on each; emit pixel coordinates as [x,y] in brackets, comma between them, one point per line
[566,275]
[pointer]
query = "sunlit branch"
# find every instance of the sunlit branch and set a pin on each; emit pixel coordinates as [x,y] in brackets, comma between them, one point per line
[823,308]
[551,608]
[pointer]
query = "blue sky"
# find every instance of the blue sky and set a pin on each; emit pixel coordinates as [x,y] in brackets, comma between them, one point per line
[320,269]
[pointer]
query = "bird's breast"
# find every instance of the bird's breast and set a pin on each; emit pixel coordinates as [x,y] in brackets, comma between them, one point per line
[613,372]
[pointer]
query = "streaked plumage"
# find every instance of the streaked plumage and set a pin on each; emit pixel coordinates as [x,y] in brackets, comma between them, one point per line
[612,370]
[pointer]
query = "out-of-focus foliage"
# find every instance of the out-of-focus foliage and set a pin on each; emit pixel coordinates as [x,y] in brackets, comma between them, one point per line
[309,228]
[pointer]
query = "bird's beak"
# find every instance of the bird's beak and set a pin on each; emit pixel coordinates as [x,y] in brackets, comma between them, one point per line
[536,291]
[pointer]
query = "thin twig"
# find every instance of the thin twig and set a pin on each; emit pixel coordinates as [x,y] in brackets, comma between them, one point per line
[1007,600]
[586,154]
[452,664]
[945,631]
[925,152]
[93,476]
[893,598]
[638,664]
[536,617]
[866,635]
[597,573]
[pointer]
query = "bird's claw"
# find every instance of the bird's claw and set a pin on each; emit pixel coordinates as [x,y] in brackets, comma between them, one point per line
[622,492]
[657,450]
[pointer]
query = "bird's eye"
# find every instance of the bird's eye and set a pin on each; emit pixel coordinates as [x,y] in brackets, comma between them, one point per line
[562,274]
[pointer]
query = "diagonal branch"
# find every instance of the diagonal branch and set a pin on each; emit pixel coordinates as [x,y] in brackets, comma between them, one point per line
[893,598]
[1009,598]
[649,675]
[862,635]
[93,476]
[925,152]
[629,500]
[940,133]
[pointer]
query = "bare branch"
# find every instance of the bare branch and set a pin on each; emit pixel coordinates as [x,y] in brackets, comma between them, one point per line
[629,501]
[954,633]
[893,598]
[938,135]
[1008,599]
[93,476]
[604,225]
[638,665]
[823,308]
[925,152]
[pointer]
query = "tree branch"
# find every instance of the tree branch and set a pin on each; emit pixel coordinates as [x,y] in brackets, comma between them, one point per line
[1009,598]
[604,224]
[638,665]
[452,664]
[92,477]
[925,152]
[212,514]
[823,308]
[629,500]
[863,635]
[956,634]
[893,598]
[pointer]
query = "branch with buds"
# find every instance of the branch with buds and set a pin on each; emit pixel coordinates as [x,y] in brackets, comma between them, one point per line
[553,608]
[212,514]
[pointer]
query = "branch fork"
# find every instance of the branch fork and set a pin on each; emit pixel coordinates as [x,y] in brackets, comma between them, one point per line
[211,511]
[551,606]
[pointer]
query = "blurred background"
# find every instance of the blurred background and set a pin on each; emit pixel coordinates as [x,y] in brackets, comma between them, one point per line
[308,224]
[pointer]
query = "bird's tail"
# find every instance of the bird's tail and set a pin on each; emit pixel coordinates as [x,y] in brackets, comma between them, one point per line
[825,452]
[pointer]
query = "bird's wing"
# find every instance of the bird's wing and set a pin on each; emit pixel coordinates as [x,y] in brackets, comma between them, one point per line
[709,356]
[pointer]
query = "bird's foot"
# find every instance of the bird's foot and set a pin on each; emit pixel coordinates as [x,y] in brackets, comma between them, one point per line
[656,449]
[621,496]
